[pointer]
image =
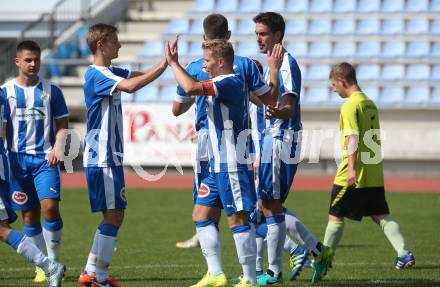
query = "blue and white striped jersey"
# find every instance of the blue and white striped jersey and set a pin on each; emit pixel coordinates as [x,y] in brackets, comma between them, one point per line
[290,83]
[227,119]
[104,142]
[4,166]
[31,114]
[258,123]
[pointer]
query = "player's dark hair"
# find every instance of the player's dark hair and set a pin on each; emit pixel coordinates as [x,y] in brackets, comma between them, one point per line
[220,48]
[29,46]
[344,71]
[99,32]
[259,66]
[273,20]
[215,26]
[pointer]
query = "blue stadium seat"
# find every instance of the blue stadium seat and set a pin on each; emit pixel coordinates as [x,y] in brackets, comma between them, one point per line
[321,6]
[227,6]
[344,26]
[418,49]
[183,48]
[316,95]
[344,49]
[435,73]
[303,69]
[298,49]
[393,49]
[435,5]
[418,72]
[393,72]
[392,95]
[144,67]
[417,26]
[245,27]
[201,6]
[232,25]
[417,5]
[335,99]
[250,6]
[319,27]
[126,97]
[393,5]
[178,26]
[393,26]
[195,49]
[318,72]
[435,98]
[297,6]
[435,49]
[368,72]
[320,49]
[248,49]
[196,27]
[167,93]
[167,75]
[417,95]
[147,94]
[344,6]
[435,26]
[368,49]
[372,92]
[368,26]
[296,27]
[273,5]
[152,49]
[368,6]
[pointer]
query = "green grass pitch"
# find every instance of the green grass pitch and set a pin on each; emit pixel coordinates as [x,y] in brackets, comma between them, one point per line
[156,219]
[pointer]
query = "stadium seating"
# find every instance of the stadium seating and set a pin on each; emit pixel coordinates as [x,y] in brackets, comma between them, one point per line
[320,49]
[344,49]
[417,95]
[298,49]
[250,6]
[418,72]
[297,6]
[366,6]
[296,27]
[344,26]
[317,95]
[369,49]
[344,6]
[372,92]
[147,94]
[274,5]
[368,72]
[368,26]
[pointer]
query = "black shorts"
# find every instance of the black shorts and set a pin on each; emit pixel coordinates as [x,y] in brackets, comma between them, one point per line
[354,203]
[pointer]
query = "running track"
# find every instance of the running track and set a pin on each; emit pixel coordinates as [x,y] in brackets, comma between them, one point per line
[303,183]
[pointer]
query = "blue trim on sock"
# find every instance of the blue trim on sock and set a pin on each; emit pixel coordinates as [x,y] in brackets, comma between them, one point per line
[32,230]
[204,223]
[278,218]
[108,229]
[14,238]
[53,225]
[261,230]
[241,228]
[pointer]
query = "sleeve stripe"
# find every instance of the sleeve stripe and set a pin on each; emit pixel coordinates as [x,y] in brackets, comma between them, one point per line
[261,91]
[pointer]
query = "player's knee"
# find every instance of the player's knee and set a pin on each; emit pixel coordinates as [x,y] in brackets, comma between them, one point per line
[237,219]
[50,209]
[31,217]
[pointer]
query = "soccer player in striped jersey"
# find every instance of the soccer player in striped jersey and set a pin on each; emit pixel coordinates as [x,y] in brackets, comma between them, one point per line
[21,243]
[103,151]
[37,117]
[281,137]
[227,107]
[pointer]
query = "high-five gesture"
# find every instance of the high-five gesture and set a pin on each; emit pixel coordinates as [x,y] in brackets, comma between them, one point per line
[171,52]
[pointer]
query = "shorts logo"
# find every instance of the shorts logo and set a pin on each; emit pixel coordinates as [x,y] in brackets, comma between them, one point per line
[19,197]
[203,190]
[122,194]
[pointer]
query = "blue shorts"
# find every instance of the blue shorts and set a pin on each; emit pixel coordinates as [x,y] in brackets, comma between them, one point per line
[32,180]
[237,191]
[275,176]
[106,187]
[6,212]
[205,191]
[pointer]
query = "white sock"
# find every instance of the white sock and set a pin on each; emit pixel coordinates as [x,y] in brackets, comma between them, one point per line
[260,254]
[294,225]
[246,251]
[53,243]
[38,240]
[289,245]
[209,238]
[28,249]
[106,245]
[276,234]
[91,260]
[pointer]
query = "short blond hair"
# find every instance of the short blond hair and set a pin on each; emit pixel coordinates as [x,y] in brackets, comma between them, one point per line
[220,48]
[99,32]
[344,71]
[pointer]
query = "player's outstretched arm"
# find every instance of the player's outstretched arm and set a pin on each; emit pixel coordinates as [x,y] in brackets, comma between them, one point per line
[56,153]
[274,59]
[180,108]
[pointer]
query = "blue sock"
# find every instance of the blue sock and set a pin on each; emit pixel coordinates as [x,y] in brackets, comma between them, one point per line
[14,238]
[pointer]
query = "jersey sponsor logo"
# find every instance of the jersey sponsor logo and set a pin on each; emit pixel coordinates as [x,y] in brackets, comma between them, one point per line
[34,113]
[203,190]
[19,197]
[122,194]
[44,96]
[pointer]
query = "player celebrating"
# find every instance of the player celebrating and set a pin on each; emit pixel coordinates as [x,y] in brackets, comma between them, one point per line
[280,138]
[206,212]
[227,117]
[37,117]
[103,154]
[358,188]
[24,246]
